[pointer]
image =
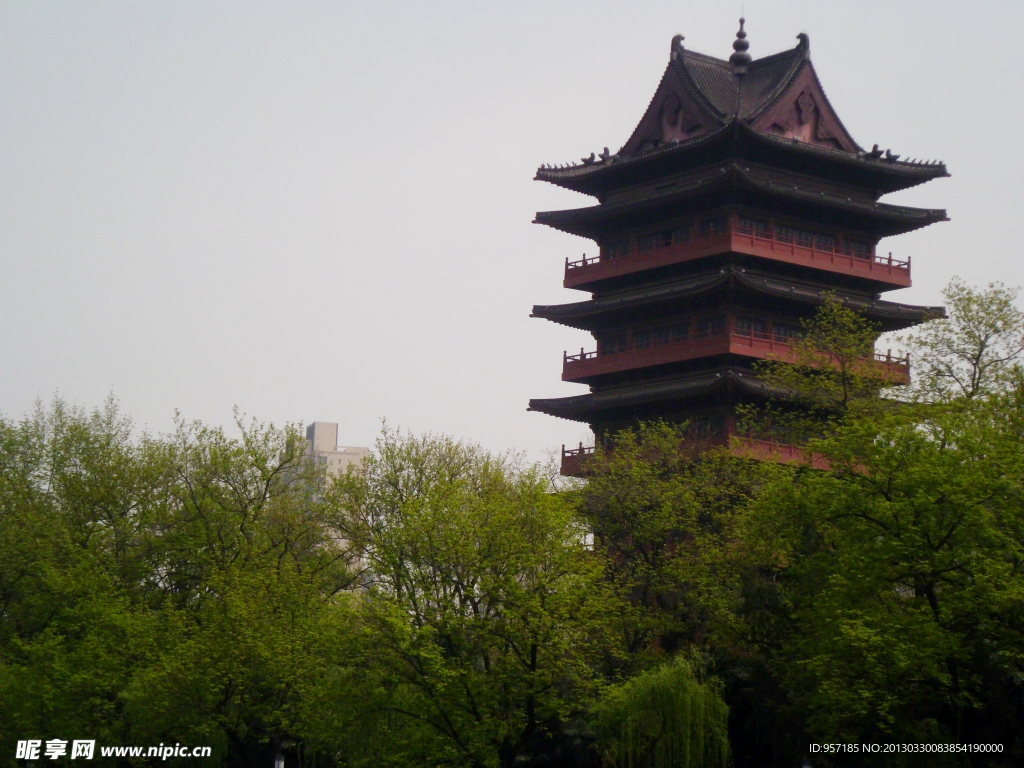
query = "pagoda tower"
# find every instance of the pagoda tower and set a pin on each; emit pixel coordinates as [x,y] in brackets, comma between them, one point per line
[737,206]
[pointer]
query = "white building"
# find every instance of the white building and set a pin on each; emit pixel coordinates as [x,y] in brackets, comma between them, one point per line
[322,445]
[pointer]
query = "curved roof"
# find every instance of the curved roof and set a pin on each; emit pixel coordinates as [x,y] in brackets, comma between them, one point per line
[585,314]
[582,407]
[738,138]
[699,96]
[886,218]
[740,94]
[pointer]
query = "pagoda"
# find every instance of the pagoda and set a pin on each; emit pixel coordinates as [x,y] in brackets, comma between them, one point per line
[738,205]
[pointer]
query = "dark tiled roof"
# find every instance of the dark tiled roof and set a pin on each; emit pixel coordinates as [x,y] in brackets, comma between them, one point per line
[743,97]
[909,169]
[876,309]
[581,407]
[557,174]
[729,98]
[578,313]
[885,175]
[765,79]
[890,219]
[582,314]
[712,77]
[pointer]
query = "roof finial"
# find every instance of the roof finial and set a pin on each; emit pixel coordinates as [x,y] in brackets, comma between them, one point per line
[805,43]
[677,47]
[740,57]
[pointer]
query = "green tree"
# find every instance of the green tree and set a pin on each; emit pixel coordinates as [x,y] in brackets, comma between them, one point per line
[884,595]
[251,574]
[663,718]
[972,352]
[659,512]
[485,609]
[73,490]
[163,589]
[833,373]
[900,567]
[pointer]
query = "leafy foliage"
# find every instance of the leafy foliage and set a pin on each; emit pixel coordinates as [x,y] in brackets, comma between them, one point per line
[443,606]
[901,567]
[664,718]
[485,607]
[971,352]
[659,513]
[883,595]
[834,364]
[192,565]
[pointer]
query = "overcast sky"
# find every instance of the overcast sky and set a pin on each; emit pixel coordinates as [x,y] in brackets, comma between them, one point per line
[321,211]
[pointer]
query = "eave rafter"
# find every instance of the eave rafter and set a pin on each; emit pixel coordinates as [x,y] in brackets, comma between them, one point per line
[888,219]
[583,407]
[586,315]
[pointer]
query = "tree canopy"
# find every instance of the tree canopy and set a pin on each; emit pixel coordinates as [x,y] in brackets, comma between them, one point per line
[441,605]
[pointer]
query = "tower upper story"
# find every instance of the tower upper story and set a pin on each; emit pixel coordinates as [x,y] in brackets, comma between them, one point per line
[743,134]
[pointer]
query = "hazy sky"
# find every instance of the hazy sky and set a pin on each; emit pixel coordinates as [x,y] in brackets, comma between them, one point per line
[322,210]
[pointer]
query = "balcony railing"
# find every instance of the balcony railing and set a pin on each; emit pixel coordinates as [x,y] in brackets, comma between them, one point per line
[583,450]
[787,341]
[573,459]
[729,339]
[636,346]
[791,245]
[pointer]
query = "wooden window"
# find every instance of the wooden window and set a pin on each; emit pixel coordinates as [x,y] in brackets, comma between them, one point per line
[713,225]
[787,333]
[800,237]
[646,242]
[859,248]
[709,326]
[683,233]
[749,326]
[615,249]
[642,339]
[670,334]
[824,242]
[707,425]
[756,227]
[612,344]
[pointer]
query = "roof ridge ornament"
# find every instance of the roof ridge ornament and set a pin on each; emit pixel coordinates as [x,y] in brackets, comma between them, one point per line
[805,43]
[740,59]
[677,47]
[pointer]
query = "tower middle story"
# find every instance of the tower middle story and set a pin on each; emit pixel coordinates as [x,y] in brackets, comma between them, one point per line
[737,207]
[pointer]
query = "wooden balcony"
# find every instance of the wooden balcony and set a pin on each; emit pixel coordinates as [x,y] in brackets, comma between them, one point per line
[734,238]
[730,340]
[573,460]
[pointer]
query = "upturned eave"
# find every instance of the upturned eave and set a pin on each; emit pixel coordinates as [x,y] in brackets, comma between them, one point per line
[587,315]
[888,219]
[584,407]
[878,173]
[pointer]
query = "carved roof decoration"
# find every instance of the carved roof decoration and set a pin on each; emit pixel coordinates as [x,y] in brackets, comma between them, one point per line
[777,96]
[740,59]
[585,315]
